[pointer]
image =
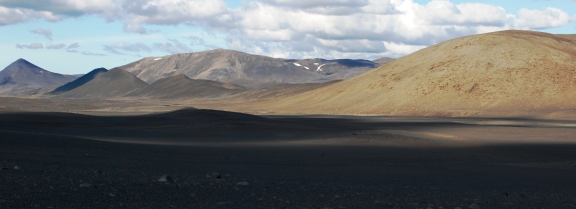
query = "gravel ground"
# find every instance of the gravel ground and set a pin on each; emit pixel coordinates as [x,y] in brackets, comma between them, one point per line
[40,168]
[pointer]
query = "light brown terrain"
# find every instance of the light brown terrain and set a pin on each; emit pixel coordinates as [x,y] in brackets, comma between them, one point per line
[502,72]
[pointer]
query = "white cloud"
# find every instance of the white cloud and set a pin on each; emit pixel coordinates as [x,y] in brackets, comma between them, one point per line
[63,7]
[10,16]
[169,12]
[56,46]
[73,46]
[31,46]
[127,47]
[173,47]
[542,19]
[296,28]
[44,32]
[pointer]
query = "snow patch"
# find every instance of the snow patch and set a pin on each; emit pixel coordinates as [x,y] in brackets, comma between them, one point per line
[157,59]
[320,67]
[307,68]
[299,65]
[316,64]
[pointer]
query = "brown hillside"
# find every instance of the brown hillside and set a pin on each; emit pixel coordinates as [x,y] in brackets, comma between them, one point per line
[495,72]
[110,84]
[182,87]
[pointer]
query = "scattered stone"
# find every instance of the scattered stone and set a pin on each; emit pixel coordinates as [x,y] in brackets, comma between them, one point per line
[213,175]
[98,172]
[166,178]
[505,194]
[243,183]
[16,168]
[475,206]
[86,185]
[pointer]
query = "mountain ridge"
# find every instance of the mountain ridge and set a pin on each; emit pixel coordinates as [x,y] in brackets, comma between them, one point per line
[234,67]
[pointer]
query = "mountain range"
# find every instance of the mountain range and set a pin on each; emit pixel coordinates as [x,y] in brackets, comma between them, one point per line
[252,71]
[203,74]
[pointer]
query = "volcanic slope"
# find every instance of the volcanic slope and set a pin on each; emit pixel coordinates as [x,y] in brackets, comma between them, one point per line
[79,81]
[110,84]
[182,87]
[503,71]
[243,69]
[22,78]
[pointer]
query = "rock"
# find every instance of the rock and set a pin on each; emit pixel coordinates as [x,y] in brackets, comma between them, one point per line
[166,178]
[16,168]
[243,183]
[474,206]
[86,185]
[214,175]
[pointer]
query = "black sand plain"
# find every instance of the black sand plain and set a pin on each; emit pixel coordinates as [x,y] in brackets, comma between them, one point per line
[217,159]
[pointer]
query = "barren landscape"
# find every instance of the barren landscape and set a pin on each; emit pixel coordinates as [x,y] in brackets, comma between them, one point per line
[484,121]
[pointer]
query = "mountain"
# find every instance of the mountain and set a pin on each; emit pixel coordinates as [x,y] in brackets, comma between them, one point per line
[238,68]
[22,78]
[504,72]
[182,87]
[383,60]
[340,69]
[103,84]
[79,81]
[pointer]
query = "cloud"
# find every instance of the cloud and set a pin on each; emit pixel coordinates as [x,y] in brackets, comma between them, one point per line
[370,28]
[92,54]
[174,12]
[173,47]
[127,47]
[63,8]
[72,51]
[73,46]
[296,28]
[44,32]
[542,19]
[195,40]
[31,46]
[112,50]
[319,3]
[10,16]
[56,46]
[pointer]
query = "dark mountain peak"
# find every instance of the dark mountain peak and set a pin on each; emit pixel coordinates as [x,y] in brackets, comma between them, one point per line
[79,82]
[105,84]
[22,64]
[24,78]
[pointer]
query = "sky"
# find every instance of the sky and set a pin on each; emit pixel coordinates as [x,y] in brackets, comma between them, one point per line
[76,36]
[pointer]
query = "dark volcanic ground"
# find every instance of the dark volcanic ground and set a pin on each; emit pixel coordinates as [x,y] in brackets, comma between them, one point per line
[56,160]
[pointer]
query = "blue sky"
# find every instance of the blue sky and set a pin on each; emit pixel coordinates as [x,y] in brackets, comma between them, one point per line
[74,36]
